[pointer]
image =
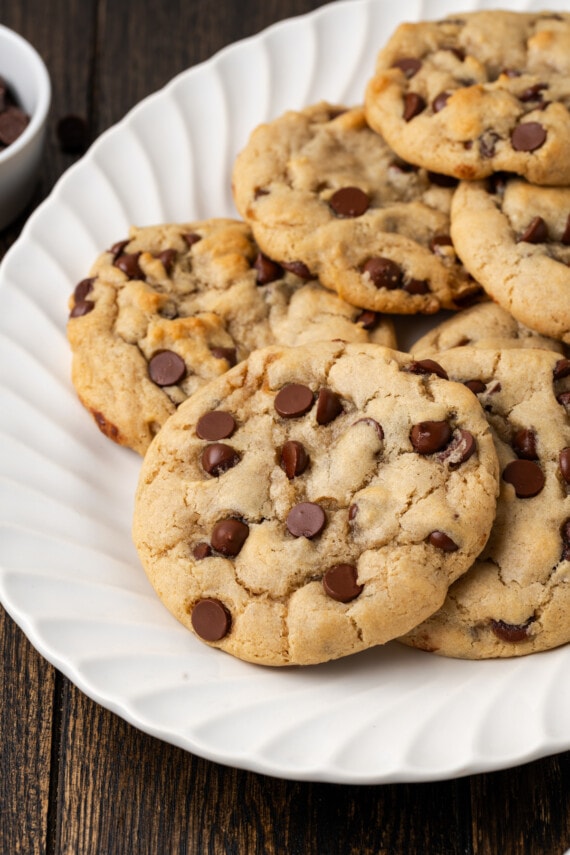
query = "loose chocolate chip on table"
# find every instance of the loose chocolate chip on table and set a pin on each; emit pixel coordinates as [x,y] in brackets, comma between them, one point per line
[228,353]
[528,136]
[217,424]
[228,536]
[166,368]
[349,202]
[476,386]
[328,406]
[218,458]
[211,619]
[430,436]
[442,541]
[294,400]
[383,272]
[306,519]
[299,268]
[409,65]
[128,262]
[564,463]
[440,101]
[535,232]
[202,550]
[427,366]
[510,631]
[82,289]
[83,307]
[267,269]
[414,104]
[72,134]
[524,444]
[294,458]
[340,583]
[526,477]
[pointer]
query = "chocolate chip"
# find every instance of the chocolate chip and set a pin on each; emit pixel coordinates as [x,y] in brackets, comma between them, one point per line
[13,123]
[564,399]
[459,450]
[328,406]
[340,583]
[430,436]
[509,631]
[352,512]
[487,143]
[442,180]
[267,269]
[294,400]
[566,234]
[167,258]
[524,444]
[298,268]
[528,136]
[72,134]
[228,536]
[128,262]
[83,307]
[166,368]
[526,477]
[561,369]
[564,463]
[217,424]
[83,289]
[409,65]
[440,101]
[383,272]
[190,238]
[293,459]
[118,248]
[427,366]
[442,541]
[565,535]
[373,424]
[533,93]
[438,242]
[416,286]
[227,353]
[211,619]
[414,104]
[535,232]
[202,550]
[457,52]
[476,386]
[306,520]
[349,202]
[368,319]
[218,458]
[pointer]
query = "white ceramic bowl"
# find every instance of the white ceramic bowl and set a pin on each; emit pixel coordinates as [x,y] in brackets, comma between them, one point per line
[26,75]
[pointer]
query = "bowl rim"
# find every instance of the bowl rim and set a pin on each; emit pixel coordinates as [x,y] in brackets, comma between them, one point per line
[41,74]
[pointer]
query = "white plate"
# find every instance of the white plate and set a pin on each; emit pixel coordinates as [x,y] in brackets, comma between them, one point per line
[69,574]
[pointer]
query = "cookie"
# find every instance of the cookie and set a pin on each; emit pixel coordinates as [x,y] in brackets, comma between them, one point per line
[177,305]
[314,501]
[515,599]
[485,325]
[515,237]
[324,195]
[477,93]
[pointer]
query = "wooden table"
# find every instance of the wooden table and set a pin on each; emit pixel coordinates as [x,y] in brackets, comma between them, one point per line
[75,778]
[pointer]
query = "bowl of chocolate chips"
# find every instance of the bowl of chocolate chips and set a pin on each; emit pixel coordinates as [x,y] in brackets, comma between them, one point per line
[25,95]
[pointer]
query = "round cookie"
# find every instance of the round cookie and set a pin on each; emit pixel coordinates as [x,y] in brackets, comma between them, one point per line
[478,93]
[515,599]
[515,238]
[323,193]
[314,501]
[485,325]
[177,305]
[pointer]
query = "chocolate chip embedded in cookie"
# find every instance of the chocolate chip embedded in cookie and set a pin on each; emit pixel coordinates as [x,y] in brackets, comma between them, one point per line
[323,192]
[514,237]
[177,305]
[476,94]
[515,599]
[314,501]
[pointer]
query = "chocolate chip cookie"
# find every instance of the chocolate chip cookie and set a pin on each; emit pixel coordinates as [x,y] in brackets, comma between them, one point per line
[515,599]
[325,196]
[315,501]
[477,93]
[174,306]
[515,238]
[485,325]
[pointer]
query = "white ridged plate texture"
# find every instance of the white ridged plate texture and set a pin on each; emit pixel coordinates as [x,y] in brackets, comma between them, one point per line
[69,574]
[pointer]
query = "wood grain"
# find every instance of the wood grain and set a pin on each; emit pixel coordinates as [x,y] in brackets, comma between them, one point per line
[76,779]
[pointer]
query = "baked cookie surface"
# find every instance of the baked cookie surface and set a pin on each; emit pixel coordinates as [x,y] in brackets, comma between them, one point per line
[323,193]
[478,93]
[176,305]
[515,599]
[485,325]
[515,237]
[314,501]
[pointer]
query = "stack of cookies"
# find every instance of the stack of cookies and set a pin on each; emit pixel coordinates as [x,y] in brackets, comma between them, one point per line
[308,489]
